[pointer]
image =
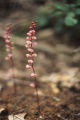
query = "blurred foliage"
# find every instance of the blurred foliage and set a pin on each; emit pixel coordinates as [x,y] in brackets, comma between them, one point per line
[63,16]
[43,16]
[20,29]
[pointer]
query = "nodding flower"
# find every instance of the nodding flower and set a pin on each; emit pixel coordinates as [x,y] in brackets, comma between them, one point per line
[9,49]
[30,42]
[8,43]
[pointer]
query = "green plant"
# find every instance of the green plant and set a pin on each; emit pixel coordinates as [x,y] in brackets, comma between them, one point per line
[63,17]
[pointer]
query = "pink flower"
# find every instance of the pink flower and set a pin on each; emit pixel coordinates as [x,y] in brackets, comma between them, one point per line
[7,41]
[28,55]
[32,31]
[33,24]
[33,75]
[30,61]
[29,34]
[30,50]
[7,32]
[29,42]
[34,43]
[28,38]
[30,27]
[10,55]
[34,37]
[29,45]
[26,46]
[28,66]
[34,55]
[32,85]
[9,37]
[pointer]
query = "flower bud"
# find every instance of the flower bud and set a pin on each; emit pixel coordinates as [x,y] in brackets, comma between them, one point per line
[33,31]
[32,85]
[29,34]
[10,55]
[29,42]
[30,27]
[30,61]
[34,43]
[28,55]
[30,50]
[33,75]
[28,66]
[7,41]
[9,37]
[34,37]
[34,55]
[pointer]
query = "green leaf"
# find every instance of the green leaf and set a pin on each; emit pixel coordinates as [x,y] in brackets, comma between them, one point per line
[71,14]
[70,21]
[77,11]
[60,7]
[72,5]
[57,13]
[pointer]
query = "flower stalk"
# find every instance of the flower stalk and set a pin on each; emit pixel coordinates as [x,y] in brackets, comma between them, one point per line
[30,43]
[9,49]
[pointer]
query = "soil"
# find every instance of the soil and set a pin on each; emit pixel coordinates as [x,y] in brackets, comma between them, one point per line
[63,106]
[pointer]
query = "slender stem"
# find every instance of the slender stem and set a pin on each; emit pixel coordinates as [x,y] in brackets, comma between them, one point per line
[31,34]
[13,76]
[36,88]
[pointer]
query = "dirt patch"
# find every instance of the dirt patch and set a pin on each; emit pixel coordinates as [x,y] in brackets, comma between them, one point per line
[62,106]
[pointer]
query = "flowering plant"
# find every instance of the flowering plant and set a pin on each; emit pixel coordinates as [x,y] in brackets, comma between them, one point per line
[9,48]
[31,36]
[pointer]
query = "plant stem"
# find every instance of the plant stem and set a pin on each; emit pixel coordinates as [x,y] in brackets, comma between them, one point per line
[13,76]
[36,88]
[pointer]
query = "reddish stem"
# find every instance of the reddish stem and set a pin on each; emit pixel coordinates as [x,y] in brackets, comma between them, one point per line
[36,88]
[13,76]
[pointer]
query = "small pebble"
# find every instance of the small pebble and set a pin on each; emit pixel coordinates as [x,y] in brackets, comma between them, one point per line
[40,117]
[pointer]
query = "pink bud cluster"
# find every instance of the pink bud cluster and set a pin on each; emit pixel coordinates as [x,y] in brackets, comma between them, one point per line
[8,42]
[30,43]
